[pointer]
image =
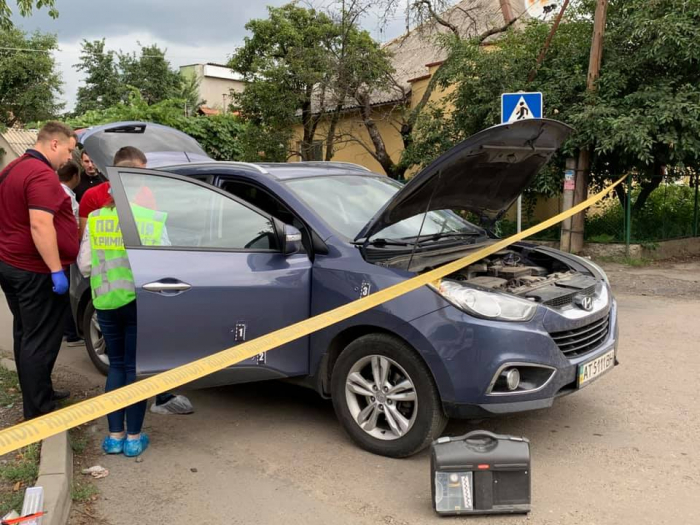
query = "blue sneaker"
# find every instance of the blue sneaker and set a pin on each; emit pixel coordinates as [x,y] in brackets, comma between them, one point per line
[113,445]
[134,447]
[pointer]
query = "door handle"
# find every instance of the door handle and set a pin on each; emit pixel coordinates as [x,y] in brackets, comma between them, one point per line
[161,287]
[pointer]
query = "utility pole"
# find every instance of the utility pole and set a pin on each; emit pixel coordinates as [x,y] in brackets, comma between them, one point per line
[584,159]
[569,185]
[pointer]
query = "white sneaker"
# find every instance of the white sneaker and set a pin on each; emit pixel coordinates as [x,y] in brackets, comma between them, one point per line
[177,405]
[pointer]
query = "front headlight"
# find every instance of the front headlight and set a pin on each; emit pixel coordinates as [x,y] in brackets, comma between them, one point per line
[489,305]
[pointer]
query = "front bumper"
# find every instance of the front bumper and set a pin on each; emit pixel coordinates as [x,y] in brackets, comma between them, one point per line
[563,382]
[486,347]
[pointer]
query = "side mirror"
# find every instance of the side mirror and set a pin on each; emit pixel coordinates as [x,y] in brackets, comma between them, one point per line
[291,240]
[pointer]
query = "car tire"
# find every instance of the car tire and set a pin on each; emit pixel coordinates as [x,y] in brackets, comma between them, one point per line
[397,365]
[94,343]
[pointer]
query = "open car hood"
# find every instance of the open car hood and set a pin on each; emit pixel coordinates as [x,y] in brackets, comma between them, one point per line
[484,174]
[162,145]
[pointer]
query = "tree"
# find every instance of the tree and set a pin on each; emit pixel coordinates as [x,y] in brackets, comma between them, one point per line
[365,72]
[150,73]
[29,82]
[449,26]
[109,74]
[643,116]
[284,61]
[189,92]
[25,9]
[103,86]
[360,65]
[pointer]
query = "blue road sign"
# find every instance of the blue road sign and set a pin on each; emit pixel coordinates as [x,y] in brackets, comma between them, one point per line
[520,106]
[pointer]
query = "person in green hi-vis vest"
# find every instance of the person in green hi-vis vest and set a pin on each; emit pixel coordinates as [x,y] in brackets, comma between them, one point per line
[104,260]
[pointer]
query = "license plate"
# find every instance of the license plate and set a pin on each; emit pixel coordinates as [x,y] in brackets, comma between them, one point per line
[591,370]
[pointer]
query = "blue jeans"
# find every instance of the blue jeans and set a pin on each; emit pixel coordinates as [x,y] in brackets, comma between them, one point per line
[119,332]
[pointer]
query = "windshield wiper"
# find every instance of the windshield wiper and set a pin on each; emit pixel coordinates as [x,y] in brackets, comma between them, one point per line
[443,235]
[423,239]
[388,242]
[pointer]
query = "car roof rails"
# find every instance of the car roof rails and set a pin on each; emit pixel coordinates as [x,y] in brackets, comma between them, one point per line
[331,164]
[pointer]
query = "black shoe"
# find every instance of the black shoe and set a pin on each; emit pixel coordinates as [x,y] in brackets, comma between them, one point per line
[58,395]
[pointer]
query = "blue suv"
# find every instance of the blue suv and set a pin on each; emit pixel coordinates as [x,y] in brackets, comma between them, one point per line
[256,247]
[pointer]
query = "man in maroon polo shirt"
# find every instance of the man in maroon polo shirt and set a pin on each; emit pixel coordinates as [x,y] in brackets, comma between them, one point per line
[39,239]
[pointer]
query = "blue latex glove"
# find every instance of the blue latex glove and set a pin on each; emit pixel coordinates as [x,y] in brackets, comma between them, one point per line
[60,282]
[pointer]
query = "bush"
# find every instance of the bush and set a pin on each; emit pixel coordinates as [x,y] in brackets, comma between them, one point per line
[667,214]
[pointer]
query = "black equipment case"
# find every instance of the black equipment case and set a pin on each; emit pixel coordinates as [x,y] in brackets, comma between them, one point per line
[480,473]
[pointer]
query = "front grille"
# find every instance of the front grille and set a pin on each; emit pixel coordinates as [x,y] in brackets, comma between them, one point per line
[567,299]
[582,340]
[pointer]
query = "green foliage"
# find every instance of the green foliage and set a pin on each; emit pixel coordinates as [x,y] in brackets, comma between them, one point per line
[29,82]
[83,492]
[646,110]
[668,214]
[218,135]
[23,468]
[297,61]
[644,113]
[9,387]
[189,92]
[78,439]
[283,60]
[103,87]
[150,73]
[635,262]
[110,76]
[25,9]
[261,144]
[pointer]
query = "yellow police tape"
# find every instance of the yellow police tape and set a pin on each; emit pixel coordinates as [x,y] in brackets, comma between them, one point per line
[42,427]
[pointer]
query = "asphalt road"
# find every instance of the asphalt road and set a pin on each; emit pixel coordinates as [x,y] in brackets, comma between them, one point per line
[623,450]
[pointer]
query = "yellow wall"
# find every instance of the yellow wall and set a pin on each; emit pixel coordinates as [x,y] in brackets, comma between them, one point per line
[388,119]
[355,149]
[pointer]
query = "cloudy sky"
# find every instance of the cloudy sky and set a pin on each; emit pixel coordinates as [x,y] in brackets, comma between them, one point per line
[192,32]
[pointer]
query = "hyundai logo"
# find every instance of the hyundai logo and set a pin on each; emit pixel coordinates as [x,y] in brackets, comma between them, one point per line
[585,302]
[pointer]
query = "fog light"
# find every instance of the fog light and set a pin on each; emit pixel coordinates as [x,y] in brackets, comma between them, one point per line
[512,379]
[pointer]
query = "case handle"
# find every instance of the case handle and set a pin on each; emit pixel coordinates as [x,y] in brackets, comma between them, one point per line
[480,433]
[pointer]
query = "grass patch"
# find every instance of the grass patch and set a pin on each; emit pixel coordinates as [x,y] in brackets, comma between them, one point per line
[636,262]
[9,387]
[78,440]
[18,474]
[24,468]
[83,492]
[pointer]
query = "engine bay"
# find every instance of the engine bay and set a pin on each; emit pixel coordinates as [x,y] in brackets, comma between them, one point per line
[532,275]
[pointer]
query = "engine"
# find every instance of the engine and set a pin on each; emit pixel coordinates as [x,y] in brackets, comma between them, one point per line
[536,277]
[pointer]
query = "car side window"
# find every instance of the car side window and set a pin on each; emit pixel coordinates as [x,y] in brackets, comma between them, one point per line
[269,204]
[182,214]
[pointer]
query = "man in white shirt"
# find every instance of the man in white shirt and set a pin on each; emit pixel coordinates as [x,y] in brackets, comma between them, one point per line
[69,176]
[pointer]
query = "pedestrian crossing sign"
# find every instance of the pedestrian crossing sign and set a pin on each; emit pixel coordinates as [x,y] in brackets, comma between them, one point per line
[520,106]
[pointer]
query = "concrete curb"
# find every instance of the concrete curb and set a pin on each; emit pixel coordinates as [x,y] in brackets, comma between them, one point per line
[55,472]
[56,476]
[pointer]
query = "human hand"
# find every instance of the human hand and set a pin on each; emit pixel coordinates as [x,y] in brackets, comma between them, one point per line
[60,282]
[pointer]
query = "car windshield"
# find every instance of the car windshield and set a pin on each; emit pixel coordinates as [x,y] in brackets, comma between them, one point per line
[348,202]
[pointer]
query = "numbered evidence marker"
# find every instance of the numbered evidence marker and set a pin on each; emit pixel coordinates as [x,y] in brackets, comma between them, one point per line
[520,106]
